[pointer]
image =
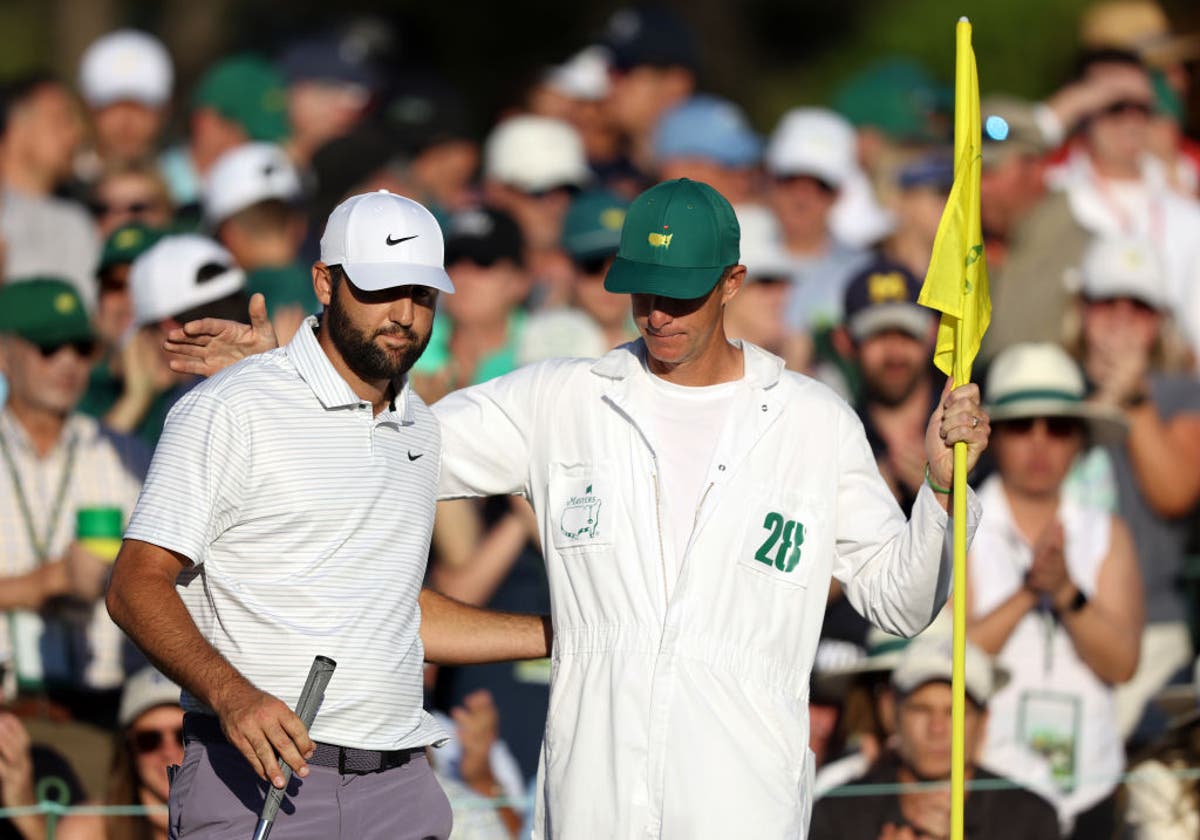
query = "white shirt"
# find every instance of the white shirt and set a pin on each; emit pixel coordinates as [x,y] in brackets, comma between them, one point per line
[687,423]
[684,715]
[1051,688]
[106,470]
[308,521]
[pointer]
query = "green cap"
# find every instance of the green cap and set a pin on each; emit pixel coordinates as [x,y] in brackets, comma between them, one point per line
[898,96]
[285,285]
[592,226]
[127,243]
[249,91]
[45,311]
[677,240]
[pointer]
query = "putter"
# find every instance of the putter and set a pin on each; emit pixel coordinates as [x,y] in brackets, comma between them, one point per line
[306,710]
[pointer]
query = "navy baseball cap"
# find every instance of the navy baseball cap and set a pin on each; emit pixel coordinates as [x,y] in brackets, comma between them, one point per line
[882,297]
[933,169]
[653,36]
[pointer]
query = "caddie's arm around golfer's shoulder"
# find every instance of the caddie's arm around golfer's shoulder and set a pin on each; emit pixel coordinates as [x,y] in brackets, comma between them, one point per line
[454,633]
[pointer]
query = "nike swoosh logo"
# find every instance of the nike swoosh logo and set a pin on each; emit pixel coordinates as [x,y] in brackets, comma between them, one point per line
[413,457]
[391,241]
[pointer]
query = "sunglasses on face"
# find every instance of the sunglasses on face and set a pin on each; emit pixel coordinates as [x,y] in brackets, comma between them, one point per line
[1136,303]
[84,348]
[1056,427]
[148,740]
[133,208]
[1127,106]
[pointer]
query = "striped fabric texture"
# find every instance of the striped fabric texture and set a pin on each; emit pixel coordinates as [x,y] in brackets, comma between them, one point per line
[308,522]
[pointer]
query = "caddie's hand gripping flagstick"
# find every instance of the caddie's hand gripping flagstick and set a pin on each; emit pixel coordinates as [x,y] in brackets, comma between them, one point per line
[306,710]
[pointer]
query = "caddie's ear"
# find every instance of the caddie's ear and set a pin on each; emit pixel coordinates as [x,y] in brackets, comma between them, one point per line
[733,282]
[322,282]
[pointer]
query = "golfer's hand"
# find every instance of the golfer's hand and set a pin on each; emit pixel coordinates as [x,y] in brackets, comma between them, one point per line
[958,417]
[209,345]
[260,726]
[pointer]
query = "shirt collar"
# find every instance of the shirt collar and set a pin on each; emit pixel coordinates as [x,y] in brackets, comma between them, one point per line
[327,384]
[78,426]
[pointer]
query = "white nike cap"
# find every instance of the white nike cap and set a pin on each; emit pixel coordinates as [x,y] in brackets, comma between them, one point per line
[180,273]
[246,175]
[383,240]
[126,65]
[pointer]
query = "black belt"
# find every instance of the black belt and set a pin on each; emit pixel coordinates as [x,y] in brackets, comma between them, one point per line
[207,730]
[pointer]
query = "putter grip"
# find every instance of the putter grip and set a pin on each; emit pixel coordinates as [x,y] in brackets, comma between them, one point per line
[306,709]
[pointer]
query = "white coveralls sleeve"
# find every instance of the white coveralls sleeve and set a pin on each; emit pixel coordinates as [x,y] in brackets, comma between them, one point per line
[896,574]
[486,434]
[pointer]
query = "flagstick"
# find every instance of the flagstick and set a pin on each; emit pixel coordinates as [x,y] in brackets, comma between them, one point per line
[961,377]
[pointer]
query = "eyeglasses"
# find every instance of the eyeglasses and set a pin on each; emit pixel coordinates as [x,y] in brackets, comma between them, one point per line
[83,347]
[1056,427]
[148,740]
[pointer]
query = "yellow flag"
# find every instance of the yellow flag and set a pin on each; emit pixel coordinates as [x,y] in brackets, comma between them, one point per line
[957,283]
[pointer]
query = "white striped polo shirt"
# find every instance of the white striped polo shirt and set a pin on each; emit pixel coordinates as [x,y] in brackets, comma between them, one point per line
[308,520]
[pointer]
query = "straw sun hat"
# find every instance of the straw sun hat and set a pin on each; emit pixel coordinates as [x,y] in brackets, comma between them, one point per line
[1041,380]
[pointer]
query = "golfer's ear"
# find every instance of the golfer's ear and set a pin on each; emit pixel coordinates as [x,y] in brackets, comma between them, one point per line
[734,281]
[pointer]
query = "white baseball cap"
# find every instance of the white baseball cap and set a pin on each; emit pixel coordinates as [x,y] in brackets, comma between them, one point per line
[929,658]
[180,273]
[383,240]
[761,245]
[246,175]
[1119,266]
[535,154]
[126,65]
[816,142]
[583,76]
[145,690]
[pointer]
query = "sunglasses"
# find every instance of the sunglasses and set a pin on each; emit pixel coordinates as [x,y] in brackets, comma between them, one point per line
[1137,303]
[1127,106]
[148,740]
[133,208]
[592,266]
[1056,427]
[83,347]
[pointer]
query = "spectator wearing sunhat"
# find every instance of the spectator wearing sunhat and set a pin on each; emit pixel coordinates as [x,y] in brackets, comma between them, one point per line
[532,166]
[921,696]
[179,279]
[709,139]
[237,100]
[1054,590]
[48,347]
[1124,342]
[126,78]
[809,157]
[252,205]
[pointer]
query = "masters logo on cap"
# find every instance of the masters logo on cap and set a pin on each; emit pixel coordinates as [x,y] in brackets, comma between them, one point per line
[677,241]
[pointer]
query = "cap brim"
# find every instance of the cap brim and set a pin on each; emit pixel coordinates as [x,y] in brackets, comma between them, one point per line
[629,277]
[908,318]
[374,277]
[1106,427]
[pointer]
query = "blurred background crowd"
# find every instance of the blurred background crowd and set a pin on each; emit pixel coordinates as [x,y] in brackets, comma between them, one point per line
[152,175]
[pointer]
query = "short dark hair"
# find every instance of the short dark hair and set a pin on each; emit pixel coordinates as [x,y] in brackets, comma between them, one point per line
[18,90]
[1106,55]
[232,307]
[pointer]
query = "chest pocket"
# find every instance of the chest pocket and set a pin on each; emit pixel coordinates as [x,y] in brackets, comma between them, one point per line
[784,535]
[582,506]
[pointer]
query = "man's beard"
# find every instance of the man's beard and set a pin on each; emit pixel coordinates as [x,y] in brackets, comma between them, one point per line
[360,352]
[892,391]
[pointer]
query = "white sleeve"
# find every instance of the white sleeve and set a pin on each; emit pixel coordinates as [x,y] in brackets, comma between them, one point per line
[193,490]
[897,574]
[487,431]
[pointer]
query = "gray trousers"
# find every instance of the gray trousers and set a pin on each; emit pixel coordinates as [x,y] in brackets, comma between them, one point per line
[215,796]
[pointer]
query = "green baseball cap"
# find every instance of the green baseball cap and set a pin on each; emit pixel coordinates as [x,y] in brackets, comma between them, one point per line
[592,226]
[677,241]
[285,285]
[127,243]
[45,311]
[249,91]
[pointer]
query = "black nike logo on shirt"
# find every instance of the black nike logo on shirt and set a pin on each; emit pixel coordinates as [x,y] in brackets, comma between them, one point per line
[391,241]
[413,457]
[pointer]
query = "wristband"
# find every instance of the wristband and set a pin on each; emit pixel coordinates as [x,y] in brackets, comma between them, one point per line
[945,491]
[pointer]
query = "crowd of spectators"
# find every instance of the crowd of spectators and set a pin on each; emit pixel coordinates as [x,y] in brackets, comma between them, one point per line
[115,228]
